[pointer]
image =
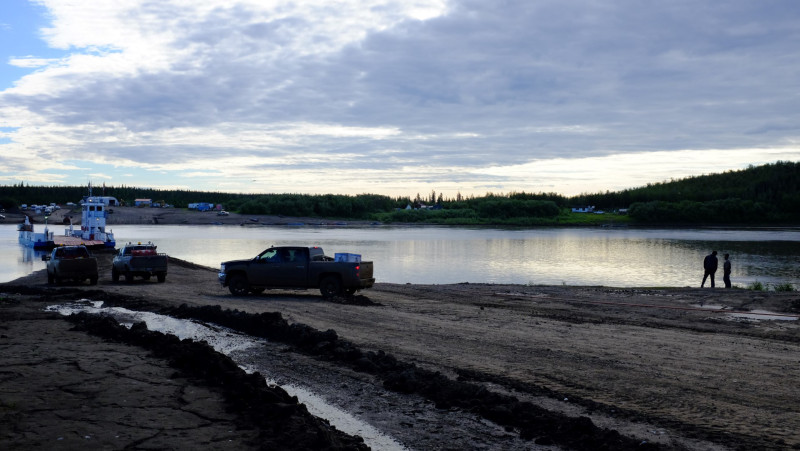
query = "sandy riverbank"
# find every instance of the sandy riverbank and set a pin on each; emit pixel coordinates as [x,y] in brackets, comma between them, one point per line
[655,366]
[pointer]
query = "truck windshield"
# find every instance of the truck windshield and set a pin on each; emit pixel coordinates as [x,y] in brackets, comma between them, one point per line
[74,252]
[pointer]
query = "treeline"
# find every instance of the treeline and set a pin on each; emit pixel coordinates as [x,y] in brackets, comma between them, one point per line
[15,195]
[771,183]
[766,194]
[516,209]
[323,206]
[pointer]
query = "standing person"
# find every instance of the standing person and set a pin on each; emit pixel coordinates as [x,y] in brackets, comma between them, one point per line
[726,271]
[709,267]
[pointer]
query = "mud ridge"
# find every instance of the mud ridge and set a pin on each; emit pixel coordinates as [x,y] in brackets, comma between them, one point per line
[736,441]
[532,422]
[282,422]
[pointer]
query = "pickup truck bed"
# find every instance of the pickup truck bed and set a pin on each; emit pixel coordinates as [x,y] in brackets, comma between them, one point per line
[139,260]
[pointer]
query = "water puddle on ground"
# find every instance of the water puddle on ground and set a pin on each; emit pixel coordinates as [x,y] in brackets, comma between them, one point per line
[229,342]
[756,315]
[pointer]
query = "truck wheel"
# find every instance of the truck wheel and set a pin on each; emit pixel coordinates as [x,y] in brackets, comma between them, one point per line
[93,280]
[350,291]
[128,277]
[330,287]
[161,277]
[238,285]
[146,277]
[114,275]
[50,279]
[257,290]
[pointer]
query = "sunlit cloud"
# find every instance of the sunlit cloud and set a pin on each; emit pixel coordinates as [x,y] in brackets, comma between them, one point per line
[398,97]
[30,62]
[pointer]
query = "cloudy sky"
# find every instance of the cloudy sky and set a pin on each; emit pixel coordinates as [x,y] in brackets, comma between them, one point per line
[395,97]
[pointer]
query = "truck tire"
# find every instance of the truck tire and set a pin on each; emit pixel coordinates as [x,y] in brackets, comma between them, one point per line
[330,286]
[161,277]
[50,279]
[238,285]
[93,280]
[114,275]
[128,276]
[257,290]
[350,291]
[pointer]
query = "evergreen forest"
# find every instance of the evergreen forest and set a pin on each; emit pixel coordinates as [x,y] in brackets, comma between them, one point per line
[758,195]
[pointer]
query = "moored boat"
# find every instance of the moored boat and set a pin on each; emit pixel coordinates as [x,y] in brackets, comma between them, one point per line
[36,240]
[93,224]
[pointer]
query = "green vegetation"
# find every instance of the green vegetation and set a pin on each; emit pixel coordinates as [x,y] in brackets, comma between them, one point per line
[784,287]
[768,194]
[320,206]
[756,286]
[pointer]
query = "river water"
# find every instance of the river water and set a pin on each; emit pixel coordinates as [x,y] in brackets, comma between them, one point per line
[621,257]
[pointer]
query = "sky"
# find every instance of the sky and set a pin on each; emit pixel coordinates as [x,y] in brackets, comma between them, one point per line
[395,97]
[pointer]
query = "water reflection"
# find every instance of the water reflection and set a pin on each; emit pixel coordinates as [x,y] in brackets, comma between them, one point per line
[612,257]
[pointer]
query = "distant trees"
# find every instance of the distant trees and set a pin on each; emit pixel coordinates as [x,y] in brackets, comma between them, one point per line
[327,205]
[726,211]
[777,184]
[766,194]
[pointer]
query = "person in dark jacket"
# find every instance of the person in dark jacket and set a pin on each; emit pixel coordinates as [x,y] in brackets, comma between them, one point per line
[726,271]
[710,267]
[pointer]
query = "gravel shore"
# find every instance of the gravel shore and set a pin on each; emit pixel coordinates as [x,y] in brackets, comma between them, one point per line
[466,366]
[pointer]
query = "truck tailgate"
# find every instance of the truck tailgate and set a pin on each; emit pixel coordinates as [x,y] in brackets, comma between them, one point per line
[365,272]
[148,262]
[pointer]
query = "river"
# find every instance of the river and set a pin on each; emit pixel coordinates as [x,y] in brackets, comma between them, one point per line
[621,257]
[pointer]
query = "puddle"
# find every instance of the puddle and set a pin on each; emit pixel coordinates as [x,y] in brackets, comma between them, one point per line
[229,342]
[756,315]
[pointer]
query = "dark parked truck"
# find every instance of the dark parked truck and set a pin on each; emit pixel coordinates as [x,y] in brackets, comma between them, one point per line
[297,268]
[71,262]
[139,260]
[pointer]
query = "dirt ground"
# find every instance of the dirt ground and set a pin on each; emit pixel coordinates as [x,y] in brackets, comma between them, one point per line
[670,368]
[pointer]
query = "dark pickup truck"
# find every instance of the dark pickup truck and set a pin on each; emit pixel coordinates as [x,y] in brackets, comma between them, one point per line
[71,262]
[296,268]
[140,260]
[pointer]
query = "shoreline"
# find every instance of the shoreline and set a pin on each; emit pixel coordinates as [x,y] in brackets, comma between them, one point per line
[180,216]
[611,356]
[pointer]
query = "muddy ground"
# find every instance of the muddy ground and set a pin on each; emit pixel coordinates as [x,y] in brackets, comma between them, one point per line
[546,367]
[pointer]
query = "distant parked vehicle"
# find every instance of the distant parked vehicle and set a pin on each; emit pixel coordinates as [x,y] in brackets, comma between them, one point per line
[71,262]
[222,213]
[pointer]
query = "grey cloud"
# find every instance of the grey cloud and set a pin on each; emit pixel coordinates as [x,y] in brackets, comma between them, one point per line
[517,74]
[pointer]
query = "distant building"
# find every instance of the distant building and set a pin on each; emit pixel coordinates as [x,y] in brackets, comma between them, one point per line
[143,202]
[201,206]
[589,209]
